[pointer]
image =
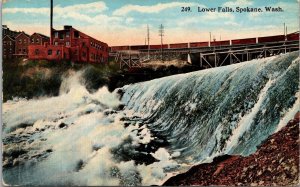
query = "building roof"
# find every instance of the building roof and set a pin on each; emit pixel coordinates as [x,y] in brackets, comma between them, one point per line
[10,37]
[23,33]
[68,27]
[43,36]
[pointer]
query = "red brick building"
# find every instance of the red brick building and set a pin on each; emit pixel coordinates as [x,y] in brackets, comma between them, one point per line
[72,45]
[39,39]
[8,49]
[69,44]
[22,42]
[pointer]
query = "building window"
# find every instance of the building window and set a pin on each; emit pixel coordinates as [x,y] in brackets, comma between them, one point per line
[67,34]
[20,50]
[4,42]
[56,34]
[20,41]
[55,43]
[61,36]
[32,40]
[37,40]
[24,41]
[76,34]
[36,51]
[75,52]
[10,43]
[4,49]
[24,51]
[49,52]
[67,43]
[58,52]
[83,54]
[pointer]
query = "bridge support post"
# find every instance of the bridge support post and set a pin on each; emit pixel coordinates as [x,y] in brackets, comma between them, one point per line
[201,60]
[189,58]
[247,55]
[121,62]
[265,53]
[284,49]
[216,60]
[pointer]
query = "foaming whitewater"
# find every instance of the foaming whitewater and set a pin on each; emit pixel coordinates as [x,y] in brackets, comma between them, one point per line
[225,110]
[76,139]
[143,133]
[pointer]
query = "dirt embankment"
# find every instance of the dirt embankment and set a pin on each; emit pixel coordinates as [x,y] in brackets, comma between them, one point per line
[275,163]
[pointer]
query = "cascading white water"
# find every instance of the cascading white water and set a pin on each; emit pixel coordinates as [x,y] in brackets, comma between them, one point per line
[69,140]
[228,109]
[167,125]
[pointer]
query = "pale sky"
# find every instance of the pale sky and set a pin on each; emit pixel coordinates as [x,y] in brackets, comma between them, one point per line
[120,22]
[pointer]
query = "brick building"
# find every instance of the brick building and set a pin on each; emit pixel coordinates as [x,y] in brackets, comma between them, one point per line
[70,44]
[22,43]
[8,41]
[39,39]
[7,31]
[8,47]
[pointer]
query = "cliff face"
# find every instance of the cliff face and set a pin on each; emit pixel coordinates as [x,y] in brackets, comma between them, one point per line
[276,162]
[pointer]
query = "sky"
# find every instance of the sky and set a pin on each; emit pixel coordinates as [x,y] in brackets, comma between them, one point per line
[120,22]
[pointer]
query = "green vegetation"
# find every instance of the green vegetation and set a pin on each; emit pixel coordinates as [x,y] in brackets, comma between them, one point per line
[28,79]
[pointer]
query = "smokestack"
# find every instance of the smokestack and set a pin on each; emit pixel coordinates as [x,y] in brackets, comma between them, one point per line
[51,20]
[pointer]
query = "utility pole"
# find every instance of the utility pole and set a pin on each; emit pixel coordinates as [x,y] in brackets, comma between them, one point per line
[161,34]
[51,20]
[214,39]
[148,37]
[209,39]
[285,32]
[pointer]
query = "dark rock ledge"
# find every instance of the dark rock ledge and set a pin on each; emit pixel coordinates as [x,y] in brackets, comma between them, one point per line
[275,163]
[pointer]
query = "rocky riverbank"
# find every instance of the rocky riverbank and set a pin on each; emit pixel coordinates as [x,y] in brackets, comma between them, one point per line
[275,163]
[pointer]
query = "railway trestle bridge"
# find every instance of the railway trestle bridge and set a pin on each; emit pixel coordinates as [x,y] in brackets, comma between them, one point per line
[206,57]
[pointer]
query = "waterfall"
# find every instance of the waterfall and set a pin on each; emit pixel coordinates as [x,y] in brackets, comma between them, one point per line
[143,133]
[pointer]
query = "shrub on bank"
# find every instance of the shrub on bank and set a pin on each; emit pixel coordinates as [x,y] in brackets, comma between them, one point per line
[35,78]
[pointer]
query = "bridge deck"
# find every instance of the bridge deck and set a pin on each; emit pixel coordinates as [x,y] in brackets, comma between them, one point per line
[207,57]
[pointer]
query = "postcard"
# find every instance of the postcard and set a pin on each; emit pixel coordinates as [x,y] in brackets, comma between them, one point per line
[143,93]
